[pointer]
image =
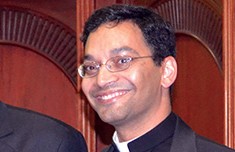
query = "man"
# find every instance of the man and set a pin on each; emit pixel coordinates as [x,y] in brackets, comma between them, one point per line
[128,69]
[22,130]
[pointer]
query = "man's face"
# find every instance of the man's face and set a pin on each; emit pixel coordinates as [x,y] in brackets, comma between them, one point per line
[128,96]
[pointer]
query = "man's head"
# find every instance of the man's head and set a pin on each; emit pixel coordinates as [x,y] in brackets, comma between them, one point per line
[128,65]
[158,34]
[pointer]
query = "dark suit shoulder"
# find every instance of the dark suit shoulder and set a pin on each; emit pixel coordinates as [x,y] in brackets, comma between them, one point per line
[35,120]
[39,132]
[204,144]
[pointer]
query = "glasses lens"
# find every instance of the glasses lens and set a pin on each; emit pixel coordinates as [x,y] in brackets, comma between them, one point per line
[118,63]
[88,69]
[81,71]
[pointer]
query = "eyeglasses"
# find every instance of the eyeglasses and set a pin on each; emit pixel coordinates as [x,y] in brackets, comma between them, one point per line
[115,64]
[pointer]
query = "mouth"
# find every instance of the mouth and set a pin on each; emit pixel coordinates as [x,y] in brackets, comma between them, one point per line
[111,96]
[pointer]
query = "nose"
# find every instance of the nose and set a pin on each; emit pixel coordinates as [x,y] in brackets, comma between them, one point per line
[105,77]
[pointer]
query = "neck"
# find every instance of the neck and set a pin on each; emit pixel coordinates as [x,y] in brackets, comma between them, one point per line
[143,124]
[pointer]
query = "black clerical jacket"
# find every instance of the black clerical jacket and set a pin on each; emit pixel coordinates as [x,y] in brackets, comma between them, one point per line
[184,140]
[26,131]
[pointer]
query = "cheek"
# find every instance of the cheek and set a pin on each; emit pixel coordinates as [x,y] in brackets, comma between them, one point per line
[145,79]
[85,86]
[139,73]
[137,77]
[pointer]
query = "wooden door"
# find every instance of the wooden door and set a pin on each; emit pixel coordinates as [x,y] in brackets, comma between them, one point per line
[38,57]
[198,95]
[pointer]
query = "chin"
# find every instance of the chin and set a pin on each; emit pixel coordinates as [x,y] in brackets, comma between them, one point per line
[112,121]
[108,119]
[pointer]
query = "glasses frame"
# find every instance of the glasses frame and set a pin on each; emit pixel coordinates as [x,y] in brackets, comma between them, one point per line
[107,66]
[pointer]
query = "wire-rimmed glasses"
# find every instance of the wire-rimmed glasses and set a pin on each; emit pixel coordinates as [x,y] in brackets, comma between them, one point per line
[115,64]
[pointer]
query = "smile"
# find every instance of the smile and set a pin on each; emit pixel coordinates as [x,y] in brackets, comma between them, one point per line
[111,95]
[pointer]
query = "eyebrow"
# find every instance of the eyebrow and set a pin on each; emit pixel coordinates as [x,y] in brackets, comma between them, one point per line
[88,57]
[124,49]
[114,51]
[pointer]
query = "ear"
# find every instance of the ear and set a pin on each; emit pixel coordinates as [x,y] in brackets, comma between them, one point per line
[169,71]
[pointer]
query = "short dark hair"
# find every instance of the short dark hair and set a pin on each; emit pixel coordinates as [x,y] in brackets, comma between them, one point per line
[158,34]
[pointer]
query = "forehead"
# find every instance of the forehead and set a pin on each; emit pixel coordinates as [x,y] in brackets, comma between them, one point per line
[110,39]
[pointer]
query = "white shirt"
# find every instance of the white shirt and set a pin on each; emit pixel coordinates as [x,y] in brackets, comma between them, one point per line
[122,146]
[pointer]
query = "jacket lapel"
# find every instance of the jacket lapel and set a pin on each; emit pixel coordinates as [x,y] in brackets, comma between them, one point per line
[184,139]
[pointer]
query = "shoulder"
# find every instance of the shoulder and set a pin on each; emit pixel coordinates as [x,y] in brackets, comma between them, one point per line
[44,130]
[190,139]
[35,120]
[204,144]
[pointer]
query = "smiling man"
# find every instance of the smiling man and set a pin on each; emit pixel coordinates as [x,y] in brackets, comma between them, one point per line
[128,69]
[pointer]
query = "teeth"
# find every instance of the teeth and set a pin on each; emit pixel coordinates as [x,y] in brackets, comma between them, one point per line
[110,96]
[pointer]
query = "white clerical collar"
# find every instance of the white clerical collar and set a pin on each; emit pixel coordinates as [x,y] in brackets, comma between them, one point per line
[122,146]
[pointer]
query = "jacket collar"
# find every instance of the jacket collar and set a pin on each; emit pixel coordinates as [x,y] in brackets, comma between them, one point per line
[184,139]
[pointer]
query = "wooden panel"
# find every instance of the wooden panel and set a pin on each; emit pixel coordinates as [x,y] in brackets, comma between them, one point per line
[197,18]
[41,34]
[198,91]
[39,57]
[87,119]
[30,80]
[61,10]
[229,69]
[102,3]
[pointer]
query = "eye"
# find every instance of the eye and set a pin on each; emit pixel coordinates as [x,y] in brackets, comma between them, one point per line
[123,60]
[90,68]
[119,63]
